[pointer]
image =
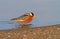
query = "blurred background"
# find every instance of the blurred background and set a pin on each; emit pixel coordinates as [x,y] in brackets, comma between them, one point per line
[47,12]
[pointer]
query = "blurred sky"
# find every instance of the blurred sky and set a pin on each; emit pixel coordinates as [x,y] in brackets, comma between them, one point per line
[46,11]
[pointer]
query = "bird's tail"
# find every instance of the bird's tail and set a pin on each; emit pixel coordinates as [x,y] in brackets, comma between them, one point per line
[14,19]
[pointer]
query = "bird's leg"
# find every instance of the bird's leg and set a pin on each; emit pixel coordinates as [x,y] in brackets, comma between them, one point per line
[25,24]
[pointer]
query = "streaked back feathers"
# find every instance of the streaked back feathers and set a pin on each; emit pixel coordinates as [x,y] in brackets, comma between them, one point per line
[24,16]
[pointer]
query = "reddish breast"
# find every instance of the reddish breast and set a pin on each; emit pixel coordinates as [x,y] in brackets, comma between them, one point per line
[25,20]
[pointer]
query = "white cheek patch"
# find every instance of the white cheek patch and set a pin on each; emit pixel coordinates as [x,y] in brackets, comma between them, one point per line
[30,14]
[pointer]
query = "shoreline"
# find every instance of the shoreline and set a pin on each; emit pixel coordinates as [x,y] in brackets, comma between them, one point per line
[42,32]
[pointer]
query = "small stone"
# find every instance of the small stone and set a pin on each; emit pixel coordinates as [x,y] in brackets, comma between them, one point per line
[9,36]
[58,28]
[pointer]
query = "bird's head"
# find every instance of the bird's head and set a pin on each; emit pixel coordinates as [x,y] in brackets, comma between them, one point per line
[31,14]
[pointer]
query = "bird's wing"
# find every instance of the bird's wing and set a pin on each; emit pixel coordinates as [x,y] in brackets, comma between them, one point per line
[23,17]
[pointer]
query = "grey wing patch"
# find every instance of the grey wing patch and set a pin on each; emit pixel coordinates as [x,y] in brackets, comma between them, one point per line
[22,17]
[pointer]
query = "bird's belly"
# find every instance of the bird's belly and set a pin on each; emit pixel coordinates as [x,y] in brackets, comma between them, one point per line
[27,20]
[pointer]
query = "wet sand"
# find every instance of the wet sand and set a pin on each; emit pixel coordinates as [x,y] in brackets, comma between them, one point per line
[42,32]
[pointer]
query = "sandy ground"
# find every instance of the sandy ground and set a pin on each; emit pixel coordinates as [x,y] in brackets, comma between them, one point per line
[46,32]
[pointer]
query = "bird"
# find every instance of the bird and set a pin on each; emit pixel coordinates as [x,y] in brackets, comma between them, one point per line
[25,18]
